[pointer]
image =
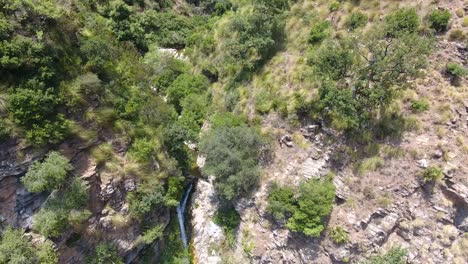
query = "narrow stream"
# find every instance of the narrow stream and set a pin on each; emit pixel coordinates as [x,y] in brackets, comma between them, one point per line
[181,208]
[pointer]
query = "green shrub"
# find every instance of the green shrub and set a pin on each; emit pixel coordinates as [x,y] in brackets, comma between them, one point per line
[104,253]
[356,20]
[50,223]
[142,150]
[48,175]
[152,234]
[334,6]
[227,119]
[456,72]
[404,20]
[35,109]
[319,32]
[183,86]
[315,202]
[338,235]
[32,107]
[232,155]
[281,202]
[228,218]
[4,131]
[396,255]
[419,106]
[193,115]
[15,248]
[145,199]
[53,219]
[439,20]
[49,132]
[432,174]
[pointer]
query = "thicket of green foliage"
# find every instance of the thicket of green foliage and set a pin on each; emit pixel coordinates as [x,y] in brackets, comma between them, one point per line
[362,73]
[281,202]
[16,248]
[227,218]
[314,204]
[48,175]
[63,209]
[432,174]
[320,31]
[103,254]
[396,255]
[232,156]
[306,211]
[356,20]
[439,20]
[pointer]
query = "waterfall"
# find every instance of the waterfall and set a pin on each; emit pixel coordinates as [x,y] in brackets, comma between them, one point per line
[181,213]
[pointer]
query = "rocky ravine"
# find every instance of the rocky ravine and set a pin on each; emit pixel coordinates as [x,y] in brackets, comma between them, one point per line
[390,206]
[110,219]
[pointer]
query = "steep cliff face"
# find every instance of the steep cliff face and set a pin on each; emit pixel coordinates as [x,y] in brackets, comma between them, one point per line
[17,205]
[382,200]
[110,219]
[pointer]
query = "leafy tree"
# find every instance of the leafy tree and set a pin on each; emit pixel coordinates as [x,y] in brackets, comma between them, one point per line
[361,75]
[439,20]
[232,156]
[104,253]
[183,86]
[48,175]
[396,255]
[281,202]
[164,67]
[248,39]
[315,202]
[15,248]
[193,114]
[356,20]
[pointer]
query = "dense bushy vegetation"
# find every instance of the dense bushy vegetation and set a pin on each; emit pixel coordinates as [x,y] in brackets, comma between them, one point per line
[104,253]
[305,212]
[100,73]
[16,248]
[439,19]
[395,255]
[361,74]
[48,175]
[232,156]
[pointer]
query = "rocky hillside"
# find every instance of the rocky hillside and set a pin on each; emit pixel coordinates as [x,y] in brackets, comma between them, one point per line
[312,131]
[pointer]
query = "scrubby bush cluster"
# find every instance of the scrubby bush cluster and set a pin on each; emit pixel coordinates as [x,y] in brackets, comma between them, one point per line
[15,247]
[232,156]
[362,73]
[305,212]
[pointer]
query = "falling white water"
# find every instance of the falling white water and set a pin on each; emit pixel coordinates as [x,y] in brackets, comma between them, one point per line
[181,213]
